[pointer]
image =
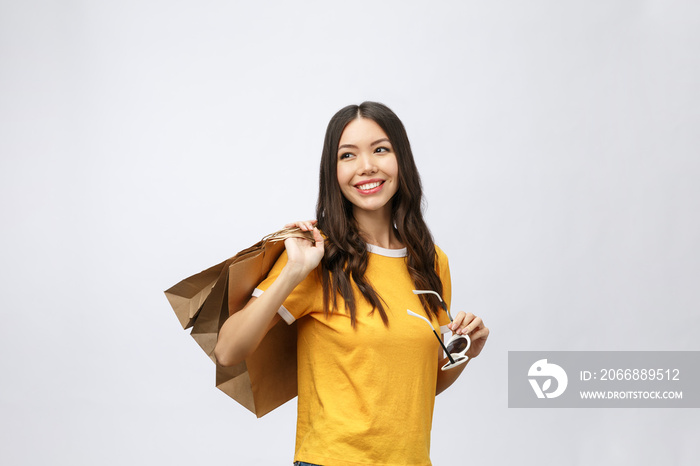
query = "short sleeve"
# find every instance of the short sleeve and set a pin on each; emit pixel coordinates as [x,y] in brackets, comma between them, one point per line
[307,297]
[443,269]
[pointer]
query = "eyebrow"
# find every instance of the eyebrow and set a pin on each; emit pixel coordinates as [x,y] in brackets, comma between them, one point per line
[352,146]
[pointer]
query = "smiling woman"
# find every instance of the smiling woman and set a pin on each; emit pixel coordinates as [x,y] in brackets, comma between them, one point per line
[362,360]
[368,173]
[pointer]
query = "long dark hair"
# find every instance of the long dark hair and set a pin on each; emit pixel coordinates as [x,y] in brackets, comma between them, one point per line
[346,254]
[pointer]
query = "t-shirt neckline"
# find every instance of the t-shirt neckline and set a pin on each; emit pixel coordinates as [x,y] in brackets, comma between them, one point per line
[403,252]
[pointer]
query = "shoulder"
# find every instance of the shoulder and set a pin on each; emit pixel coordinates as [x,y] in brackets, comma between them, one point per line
[442,264]
[440,255]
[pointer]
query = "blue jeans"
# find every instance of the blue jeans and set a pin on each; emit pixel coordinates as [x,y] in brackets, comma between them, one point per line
[301,463]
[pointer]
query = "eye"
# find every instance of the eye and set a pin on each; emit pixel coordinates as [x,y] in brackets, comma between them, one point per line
[382,150]
[345,155]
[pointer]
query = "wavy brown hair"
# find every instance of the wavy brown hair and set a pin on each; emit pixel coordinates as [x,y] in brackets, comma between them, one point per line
[346,255]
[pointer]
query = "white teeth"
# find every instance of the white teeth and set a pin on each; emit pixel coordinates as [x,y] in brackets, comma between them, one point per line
[368,186]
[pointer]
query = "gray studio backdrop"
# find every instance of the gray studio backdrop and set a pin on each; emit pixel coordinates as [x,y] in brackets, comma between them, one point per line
[558,146]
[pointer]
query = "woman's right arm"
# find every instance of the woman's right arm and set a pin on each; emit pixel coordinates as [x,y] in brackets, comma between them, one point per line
[243,331]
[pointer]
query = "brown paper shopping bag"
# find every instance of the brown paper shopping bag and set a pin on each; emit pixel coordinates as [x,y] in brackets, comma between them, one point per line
[187,297]
[212,314]
[267,378]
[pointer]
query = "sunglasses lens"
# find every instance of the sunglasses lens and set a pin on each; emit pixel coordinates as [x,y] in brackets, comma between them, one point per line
[457,345]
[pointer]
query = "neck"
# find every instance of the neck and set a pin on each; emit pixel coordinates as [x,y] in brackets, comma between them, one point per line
[376,228]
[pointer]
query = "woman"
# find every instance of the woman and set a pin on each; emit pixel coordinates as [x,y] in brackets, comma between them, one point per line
[368,372]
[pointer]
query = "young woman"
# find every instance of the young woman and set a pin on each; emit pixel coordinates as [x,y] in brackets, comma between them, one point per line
[368,372]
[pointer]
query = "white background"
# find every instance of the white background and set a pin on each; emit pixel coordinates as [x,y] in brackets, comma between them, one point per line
[558,147]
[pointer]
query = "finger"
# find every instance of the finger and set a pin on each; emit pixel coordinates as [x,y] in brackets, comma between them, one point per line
[463,319]
[466,322]
[317,237]
[304,225]
[457,322]
[482,334]
[473,324]
[301,225]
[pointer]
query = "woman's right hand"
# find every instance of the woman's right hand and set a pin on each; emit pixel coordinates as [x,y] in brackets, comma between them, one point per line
[302,255]
[243,331]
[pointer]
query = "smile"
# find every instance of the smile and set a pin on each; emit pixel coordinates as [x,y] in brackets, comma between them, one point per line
[369,188]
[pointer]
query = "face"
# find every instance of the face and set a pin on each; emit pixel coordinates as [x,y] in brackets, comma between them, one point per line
[368,173]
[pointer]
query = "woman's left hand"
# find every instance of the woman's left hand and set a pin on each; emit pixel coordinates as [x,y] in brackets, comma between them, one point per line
[466,323]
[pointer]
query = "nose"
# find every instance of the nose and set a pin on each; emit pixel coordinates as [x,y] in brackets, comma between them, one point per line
[366,164]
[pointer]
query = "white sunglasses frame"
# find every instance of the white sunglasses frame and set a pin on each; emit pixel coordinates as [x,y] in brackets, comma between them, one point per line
[456,359]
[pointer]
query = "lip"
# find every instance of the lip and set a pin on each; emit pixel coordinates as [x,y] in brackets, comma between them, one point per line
[370,191]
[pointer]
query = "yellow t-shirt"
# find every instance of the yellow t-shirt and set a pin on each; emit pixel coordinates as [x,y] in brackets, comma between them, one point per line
[366,394]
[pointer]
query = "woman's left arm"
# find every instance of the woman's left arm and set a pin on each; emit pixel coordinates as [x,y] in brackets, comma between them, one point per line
[464,324]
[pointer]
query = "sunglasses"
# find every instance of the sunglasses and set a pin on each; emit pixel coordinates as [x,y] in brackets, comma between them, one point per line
[457,346]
